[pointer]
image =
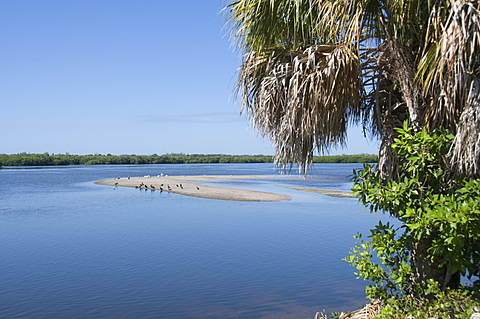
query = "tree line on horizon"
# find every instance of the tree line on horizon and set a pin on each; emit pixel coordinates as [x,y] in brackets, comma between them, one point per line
[46,159]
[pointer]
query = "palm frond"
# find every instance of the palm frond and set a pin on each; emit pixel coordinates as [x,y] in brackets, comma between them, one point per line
[450,73]
[259,24]
[465,152]
[305,103]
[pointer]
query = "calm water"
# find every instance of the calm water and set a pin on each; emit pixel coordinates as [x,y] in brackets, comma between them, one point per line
[72,249]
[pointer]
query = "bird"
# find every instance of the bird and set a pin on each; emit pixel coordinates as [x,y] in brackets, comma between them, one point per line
[198,188]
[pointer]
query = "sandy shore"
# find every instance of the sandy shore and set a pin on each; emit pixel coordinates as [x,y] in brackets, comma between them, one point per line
[191,186]
[328,192]
[183,185]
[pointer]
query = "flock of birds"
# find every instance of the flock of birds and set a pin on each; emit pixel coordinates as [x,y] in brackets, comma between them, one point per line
[152,187]
[160,188]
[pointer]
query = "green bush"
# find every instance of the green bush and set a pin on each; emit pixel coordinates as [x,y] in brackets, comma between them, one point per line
[436,236]
[457,303]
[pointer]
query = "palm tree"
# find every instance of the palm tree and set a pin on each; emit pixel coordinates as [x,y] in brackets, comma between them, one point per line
[311,68]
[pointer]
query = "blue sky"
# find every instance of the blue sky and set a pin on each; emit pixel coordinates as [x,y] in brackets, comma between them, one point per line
[123,77]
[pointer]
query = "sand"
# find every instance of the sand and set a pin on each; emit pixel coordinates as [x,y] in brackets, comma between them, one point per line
[328,192]
[191,186]
[183,185]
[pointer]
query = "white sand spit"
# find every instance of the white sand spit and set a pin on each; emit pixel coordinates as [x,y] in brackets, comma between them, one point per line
[182,185]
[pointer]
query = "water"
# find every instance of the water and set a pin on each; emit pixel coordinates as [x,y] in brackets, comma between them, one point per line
[72,249]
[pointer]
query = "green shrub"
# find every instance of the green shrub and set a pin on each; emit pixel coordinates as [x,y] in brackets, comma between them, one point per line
[435,238]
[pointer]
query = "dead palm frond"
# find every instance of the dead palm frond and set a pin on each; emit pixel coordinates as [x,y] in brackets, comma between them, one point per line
[303,102]
[300,94]
[450,72]
[312,67]
[370,311]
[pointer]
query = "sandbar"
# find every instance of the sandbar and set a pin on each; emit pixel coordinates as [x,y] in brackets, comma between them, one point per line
[191,186]
[328,192]
[186,185]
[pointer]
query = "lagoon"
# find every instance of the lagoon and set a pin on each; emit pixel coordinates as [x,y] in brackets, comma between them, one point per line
[72,248]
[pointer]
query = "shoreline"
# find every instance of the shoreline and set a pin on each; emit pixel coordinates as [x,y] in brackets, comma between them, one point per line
[184,185]
[328,192]
[190,186]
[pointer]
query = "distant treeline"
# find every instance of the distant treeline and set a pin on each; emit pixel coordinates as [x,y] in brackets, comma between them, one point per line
[357,158]
[46,159]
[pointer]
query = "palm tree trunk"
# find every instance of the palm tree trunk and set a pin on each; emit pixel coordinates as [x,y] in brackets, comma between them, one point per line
[387,160]
[391,118]
[404,73]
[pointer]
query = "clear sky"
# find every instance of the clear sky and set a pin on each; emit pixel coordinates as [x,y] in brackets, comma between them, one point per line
[123,77]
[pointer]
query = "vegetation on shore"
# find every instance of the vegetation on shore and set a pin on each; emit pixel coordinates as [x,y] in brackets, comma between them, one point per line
[46,159]
[437,224]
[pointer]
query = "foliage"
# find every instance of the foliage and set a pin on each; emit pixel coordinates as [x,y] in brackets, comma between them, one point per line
[357,158]
[26,159]
[446,304]
[433,208]
[390,277]
[299,86]
[313,67]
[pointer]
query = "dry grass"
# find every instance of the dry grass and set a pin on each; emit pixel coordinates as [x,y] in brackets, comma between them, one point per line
[370,311]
